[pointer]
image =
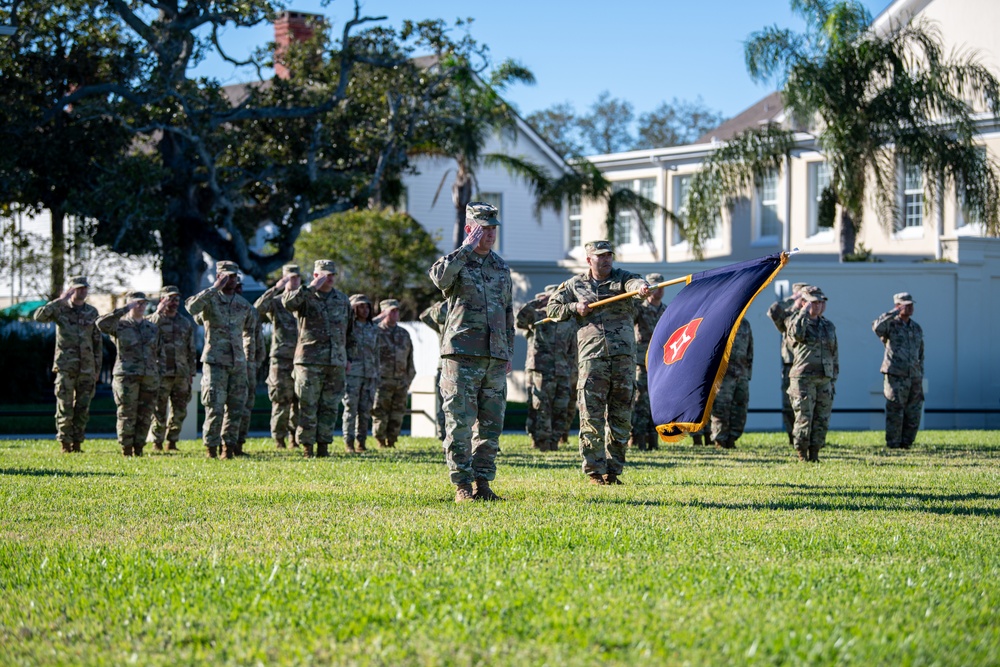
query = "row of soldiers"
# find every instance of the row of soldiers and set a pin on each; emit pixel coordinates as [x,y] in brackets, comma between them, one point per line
[327,349]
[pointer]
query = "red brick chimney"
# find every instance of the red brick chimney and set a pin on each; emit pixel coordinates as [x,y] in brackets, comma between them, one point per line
[291,27]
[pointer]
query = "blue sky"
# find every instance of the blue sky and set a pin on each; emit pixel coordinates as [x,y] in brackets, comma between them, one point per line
[643,51]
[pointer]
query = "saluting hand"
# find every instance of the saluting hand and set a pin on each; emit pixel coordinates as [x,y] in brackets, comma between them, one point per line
[220,280]
[318,281]
[161,307]
[68,294]
[474,235]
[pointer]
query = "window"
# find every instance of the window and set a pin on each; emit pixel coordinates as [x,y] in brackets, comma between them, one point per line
[768,224]
[496,199]
[682,185]
[626,231]
[819,179]
[968,220]
[913,198]
[575,223]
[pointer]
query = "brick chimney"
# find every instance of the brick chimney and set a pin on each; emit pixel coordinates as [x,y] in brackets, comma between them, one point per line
[288,28]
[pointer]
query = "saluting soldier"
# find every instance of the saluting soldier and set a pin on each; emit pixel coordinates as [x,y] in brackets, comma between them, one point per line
[77,361]
[326,326]
[137,373]
[606,347]
[362,374]
[227,319]
[477,346]
[815,367]
[779,312]
[178,364]
[255,349]
[647,314]
[903,368]
[396,372]
[284,334]
[434,317]
[729,412]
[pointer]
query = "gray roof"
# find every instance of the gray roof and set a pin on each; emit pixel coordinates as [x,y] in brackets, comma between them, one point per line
[763,112]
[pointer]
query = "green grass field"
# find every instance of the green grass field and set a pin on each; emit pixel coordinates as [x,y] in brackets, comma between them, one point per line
[702,558]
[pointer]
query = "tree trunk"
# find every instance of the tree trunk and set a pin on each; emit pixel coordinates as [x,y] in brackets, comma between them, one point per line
[848,235]
[461,195]
[58,267]
[182,262]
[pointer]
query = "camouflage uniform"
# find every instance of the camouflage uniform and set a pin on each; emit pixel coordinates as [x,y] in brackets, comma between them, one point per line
[76,366]
[435,317]
[729,411]
[178,363]
[136,375]
[255,350]
[779,312]
[362,378]
[903,368]
[647,314]
[280,376]
[814,371]
[396,372]
[567,376]
[606,349]
[540,367]
[326,325]
[477,346]
[228,322]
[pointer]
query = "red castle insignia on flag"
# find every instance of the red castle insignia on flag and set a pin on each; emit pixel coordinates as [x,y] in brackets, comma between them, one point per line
[677,344]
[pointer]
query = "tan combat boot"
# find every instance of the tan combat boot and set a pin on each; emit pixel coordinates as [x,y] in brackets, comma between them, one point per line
[361,445]
[137,450]
[803,453]
[349,446]
[597,479]
[611,479]
[322,450]
[463,493]
[279,443]
[67,447]
[171,445]
[381,443]
[814,454]
[392,443]
[307,451]
[126,451]
[483,490]
[158,446]
[77,447]
[212,452]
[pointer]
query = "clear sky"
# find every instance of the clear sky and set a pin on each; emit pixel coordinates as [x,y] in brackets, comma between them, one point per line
[642,51]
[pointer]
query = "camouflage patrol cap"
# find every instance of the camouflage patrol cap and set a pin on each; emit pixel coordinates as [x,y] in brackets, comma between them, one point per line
[388,304]
[797,287]
[290,270]
[598,248]
[813,293]
[78,281]
[135,296]
[655,278]
[325,266]
[358,299]
[903,298]
[483,213]
[541,295]
[225,266]
[170,290]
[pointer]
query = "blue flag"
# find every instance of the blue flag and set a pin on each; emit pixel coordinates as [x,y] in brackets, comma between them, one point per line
[689,352]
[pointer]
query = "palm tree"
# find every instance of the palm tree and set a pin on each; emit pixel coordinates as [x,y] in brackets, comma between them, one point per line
[872,101]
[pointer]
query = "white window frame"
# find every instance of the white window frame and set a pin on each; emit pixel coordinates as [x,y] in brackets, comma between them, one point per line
[575,223]
[679,208]
[495,198]
[815,233]
[759,238]
[965,224]
[903,230]
[634,241]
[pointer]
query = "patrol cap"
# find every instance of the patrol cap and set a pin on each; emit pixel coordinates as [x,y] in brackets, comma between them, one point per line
[903,298]
[483,213]
[170,290]
[358,299]
[136,296]
[541,295]
[655,278]
[325,266]
[225,266]
[598,248]
[78,281]
[290,270]
[797,287]
[387,304]
[813,293]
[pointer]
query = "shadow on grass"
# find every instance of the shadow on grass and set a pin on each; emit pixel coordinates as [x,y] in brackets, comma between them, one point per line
[47,472]
[793,505]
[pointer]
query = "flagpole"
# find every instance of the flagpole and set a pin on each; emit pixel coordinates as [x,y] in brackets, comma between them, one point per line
[627,295]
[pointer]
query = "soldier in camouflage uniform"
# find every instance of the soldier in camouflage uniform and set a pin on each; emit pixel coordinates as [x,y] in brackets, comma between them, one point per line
[729,411]
[255,350]
[228,322]
[814,371]
[362,375]
[546,344]
[779,312]
[284,334]
[137,372]
[178,363]
[647,314]
[477,346]
[567,375]
[326,329]
[606,347]
[435,317]
[77,361]
[396,372]
[903,367]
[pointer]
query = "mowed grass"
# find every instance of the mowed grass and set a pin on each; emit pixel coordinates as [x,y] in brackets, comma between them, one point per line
[704,557]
